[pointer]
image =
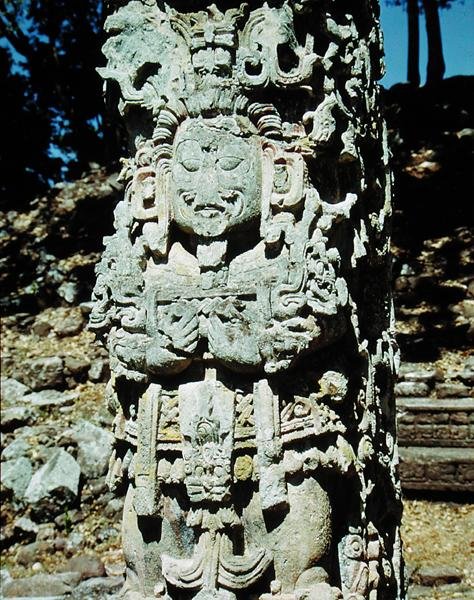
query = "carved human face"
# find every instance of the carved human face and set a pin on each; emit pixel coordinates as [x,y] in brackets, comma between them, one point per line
[216,175]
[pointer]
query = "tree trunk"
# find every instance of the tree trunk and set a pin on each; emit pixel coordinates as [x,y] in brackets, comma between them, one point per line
[435,69]
[413,68]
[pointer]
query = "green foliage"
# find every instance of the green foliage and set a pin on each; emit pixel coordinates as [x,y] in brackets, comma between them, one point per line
[67,523]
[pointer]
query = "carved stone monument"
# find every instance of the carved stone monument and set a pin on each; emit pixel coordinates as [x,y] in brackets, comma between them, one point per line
[245,302]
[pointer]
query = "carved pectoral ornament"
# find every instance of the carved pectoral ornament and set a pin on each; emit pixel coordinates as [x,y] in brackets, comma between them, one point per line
[244,301]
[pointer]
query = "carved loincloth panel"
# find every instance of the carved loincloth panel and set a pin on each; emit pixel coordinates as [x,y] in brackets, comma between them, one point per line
[307,430]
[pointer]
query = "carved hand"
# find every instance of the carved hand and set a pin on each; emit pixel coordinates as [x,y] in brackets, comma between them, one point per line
[180,326]
[231,337]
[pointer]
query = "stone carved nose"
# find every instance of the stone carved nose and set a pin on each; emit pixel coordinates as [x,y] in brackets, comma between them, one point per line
[207,185]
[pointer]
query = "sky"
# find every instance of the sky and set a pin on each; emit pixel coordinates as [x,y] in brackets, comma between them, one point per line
[457,30]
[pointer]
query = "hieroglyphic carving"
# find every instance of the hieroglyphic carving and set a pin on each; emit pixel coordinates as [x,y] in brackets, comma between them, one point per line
[244,300]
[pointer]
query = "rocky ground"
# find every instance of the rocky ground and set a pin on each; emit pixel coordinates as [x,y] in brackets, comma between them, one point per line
[60,525]
[57,514]
[439,541]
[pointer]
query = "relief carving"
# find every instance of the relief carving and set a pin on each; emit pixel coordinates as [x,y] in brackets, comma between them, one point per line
[251,378]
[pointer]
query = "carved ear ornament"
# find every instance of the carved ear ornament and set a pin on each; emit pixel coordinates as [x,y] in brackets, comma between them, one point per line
[149,198]
[143,194]
[283,191]
[288,186]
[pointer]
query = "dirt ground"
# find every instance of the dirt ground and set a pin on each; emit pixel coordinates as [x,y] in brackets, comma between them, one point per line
[440,533]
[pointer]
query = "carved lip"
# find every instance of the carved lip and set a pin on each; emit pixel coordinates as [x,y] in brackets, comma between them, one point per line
[210,209]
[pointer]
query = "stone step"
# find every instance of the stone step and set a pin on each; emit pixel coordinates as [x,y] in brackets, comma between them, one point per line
[437,469]
[436,422]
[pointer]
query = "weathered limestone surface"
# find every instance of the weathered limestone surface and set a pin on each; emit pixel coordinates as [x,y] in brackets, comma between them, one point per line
[244,300]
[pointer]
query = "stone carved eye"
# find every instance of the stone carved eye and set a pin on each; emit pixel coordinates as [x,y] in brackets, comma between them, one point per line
[205,432]
[190,155]
[191,164]
[231,155]
[219,472]
[229,162]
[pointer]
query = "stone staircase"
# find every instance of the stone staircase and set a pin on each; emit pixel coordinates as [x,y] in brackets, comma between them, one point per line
[436,433]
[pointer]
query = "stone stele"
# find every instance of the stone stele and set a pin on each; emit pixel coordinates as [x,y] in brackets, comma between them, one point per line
[244,299]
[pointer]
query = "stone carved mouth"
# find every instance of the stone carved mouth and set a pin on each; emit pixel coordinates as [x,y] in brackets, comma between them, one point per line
[227,202]
[210,210]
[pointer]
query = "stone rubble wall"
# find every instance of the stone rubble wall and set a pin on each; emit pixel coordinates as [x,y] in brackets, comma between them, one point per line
[436,428]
